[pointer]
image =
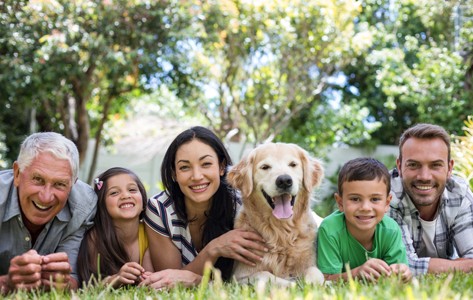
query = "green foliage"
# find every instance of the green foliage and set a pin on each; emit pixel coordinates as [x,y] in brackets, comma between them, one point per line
[311,72]
[323,126]
[445,286]
[462,152]
[260,65]
[326,205]
[416,70]
[69,58]
[3,149]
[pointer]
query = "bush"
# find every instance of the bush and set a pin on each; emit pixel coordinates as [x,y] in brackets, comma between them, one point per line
[462,152]
[3,152]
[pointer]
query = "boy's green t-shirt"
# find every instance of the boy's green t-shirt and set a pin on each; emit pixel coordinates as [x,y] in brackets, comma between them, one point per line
[336,246]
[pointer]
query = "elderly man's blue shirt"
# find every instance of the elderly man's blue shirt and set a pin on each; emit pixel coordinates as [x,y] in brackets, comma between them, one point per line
[62,234]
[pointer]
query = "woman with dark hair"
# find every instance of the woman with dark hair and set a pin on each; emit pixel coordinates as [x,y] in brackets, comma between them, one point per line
[191,222]
[115,249]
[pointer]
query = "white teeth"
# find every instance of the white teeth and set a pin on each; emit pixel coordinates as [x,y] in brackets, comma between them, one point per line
[41,206]
[423,187]
[127,205]
[198,187]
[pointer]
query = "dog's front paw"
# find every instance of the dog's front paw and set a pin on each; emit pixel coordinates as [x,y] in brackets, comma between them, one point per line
[264,278]
[314,276]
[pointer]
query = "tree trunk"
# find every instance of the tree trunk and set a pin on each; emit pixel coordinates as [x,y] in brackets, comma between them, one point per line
[98,139]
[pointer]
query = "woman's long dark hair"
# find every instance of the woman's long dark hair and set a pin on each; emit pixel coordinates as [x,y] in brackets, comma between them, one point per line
[221,215]
[102,238]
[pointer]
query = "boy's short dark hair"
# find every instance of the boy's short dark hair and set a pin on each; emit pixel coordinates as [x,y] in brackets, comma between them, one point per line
[363,168]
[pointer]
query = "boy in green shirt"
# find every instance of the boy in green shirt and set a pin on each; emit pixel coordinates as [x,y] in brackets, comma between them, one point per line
[359,235]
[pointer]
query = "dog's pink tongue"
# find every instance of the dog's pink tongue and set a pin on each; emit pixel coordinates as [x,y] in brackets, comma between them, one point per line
[282,206]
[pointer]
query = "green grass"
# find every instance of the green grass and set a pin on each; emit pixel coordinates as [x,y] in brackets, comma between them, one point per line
[442,287]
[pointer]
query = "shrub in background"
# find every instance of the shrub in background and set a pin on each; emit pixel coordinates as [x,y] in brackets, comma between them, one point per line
[462,152]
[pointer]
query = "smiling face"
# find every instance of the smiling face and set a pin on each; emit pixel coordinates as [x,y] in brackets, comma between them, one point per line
[424,170]
[43,188]
[277,179]
[123,197]
[278,175]
[197,172]
[364,203]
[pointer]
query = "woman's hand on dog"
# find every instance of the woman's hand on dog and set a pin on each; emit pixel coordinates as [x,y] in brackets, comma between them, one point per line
[245,246]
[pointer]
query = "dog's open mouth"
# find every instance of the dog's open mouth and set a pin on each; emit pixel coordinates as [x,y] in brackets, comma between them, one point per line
[281,204]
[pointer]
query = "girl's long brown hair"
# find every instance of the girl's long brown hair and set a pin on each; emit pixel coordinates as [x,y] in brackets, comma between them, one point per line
[101,252]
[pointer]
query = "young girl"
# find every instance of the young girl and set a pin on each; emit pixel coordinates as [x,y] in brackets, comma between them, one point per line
[192,221]
[115,249]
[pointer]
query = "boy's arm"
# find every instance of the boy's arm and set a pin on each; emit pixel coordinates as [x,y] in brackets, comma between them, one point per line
[329,259]
[394,250]
[402,270]
[371,270]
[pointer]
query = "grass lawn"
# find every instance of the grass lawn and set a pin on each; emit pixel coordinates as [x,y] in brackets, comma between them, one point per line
[442,287]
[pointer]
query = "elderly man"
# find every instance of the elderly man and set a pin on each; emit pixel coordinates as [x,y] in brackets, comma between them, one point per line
[44,212]
[433,207]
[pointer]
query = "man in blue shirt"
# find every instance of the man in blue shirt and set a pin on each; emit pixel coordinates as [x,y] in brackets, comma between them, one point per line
[44,212]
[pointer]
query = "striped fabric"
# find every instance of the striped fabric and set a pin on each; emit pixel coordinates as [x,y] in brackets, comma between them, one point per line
[162,218]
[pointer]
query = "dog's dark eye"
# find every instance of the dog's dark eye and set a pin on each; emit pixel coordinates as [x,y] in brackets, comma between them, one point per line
[265,167]
[292,164]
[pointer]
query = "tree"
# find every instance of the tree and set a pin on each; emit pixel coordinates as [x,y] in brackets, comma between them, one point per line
[73,60]
[415,71]
[258,65]
[15,79]
[312,72]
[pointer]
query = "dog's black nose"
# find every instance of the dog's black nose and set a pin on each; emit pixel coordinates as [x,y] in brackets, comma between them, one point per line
[284,181]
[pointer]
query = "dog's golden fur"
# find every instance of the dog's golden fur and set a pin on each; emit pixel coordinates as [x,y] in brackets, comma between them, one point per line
[290,239]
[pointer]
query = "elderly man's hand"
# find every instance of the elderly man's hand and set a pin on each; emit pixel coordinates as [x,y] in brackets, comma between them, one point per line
[56,271]
[25,271]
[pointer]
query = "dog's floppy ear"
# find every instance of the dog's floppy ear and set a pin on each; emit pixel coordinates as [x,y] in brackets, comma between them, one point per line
[317,171]
[240,176]
[312,169]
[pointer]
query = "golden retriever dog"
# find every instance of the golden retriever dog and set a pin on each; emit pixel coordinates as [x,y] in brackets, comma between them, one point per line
[276,181]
